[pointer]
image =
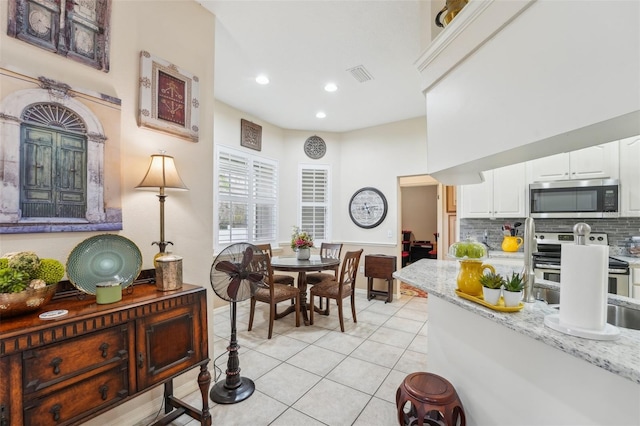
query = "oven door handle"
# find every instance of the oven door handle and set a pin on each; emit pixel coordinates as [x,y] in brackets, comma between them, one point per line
[546,266]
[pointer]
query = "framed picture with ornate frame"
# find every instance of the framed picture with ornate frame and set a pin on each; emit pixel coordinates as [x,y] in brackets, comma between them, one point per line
[250,135]
[169,99]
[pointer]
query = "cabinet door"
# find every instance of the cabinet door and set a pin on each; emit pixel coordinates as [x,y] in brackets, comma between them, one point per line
[477,200]
[630,177]
[596,162]
[554,167]
[509,191]
[168,343]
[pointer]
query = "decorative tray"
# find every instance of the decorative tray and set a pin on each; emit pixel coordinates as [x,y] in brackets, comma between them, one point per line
[499,307]
[106,257]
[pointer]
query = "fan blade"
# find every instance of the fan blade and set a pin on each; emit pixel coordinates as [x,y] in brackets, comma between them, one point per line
[234,285]
[227,267]
[255,277]
[246,258]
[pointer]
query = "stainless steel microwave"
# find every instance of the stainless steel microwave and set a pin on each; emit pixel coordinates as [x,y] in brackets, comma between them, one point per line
[596,198]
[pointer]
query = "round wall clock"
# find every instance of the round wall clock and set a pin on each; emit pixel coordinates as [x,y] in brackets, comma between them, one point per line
[368,207]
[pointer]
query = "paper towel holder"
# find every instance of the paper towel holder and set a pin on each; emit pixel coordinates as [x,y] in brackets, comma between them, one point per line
[581,230]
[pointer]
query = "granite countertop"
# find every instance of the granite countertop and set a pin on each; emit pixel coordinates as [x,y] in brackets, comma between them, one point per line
[620,356]
[499,254]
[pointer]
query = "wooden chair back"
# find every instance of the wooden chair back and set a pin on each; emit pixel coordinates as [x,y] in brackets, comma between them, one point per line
[349,273]
[330,250]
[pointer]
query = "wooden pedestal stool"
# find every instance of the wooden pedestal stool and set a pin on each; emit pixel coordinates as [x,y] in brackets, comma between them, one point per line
[433,400]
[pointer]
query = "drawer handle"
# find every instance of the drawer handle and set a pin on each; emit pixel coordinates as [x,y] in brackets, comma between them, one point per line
[104,348]
[140,360]
[55,410]
[55,363]
[103,391]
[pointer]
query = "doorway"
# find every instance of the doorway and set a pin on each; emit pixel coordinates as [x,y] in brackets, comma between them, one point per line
[428,217]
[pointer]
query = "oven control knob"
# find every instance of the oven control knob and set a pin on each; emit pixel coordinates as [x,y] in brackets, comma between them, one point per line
[592,238]
[542,237]
[600,238]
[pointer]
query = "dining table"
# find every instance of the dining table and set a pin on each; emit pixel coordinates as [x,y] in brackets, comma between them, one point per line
[314,264]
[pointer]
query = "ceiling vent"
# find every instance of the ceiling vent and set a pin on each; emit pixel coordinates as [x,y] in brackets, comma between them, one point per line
[360,73]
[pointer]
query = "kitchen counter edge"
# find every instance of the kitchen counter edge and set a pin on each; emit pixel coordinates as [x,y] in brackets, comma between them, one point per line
[620,356]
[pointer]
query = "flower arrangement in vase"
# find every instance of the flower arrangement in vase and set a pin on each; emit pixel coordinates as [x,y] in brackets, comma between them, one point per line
[492,287]
[301,242]
[513,287]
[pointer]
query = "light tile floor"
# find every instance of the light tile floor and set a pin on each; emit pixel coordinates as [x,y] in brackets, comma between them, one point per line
[317,375]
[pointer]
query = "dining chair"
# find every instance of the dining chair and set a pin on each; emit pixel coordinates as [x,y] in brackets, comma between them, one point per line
[273,293]
[340,288]
[332,251]
[277,278]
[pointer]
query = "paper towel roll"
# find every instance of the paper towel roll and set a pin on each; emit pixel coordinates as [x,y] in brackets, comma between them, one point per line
[583,286]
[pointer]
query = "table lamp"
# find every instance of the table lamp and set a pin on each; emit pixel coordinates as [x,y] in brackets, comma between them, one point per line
[162,174]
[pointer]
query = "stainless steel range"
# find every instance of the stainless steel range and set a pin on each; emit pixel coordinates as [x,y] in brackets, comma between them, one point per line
[546,261]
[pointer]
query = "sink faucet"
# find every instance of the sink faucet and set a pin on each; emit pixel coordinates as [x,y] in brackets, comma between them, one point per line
[530,247]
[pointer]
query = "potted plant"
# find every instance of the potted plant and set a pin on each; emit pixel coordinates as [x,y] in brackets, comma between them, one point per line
[301,242]
[27,282]
[513,287]
[491,287]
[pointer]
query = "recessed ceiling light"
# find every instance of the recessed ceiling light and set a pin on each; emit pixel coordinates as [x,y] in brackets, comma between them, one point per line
[262,79]
[321,114]
[330,87]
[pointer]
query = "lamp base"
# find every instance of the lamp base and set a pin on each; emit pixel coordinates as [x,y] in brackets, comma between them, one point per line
[222,394]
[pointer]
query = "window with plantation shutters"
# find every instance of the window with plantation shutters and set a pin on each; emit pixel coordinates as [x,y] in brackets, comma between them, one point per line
[314,201]
[247,194]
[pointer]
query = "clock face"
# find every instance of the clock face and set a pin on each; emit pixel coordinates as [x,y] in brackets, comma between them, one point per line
[368,208]
[84,42]
[39,22]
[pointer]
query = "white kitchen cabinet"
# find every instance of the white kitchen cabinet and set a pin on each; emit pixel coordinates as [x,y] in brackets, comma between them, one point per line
[596,162]
[502,194]
[630,177]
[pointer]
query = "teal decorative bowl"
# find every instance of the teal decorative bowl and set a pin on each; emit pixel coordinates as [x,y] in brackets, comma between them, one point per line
[102,258]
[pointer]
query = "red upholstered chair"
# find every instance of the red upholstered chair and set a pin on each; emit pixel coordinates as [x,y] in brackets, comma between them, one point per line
[341,288]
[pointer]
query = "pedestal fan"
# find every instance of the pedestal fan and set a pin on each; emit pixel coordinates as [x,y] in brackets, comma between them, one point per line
[236,273]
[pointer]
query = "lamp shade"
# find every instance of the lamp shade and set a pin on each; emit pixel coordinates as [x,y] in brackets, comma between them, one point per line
[162,173]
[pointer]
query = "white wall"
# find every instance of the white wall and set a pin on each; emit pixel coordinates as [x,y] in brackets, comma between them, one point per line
[135,26]
[560,76]
[420,211]
[376,156]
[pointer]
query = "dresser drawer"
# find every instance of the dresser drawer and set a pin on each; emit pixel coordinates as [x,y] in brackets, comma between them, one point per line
[78,400]
[60,361]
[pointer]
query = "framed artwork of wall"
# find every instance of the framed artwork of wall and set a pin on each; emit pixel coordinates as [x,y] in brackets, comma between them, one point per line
[250,135]
[451,199]
[59,157]
[79,30]
[169,99]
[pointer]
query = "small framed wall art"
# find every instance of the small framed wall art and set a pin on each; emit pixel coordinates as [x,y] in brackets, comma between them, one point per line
[168,98]
[250,135]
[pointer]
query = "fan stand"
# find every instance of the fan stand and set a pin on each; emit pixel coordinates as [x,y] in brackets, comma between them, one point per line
[235,388]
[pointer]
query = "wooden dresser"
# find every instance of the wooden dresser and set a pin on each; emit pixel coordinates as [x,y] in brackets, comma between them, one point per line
[67,370]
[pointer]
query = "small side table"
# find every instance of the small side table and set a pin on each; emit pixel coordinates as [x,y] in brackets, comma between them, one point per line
[379,266]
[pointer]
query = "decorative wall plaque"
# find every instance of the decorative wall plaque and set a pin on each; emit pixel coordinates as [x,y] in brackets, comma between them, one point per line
[250,135]
[79,30]
[168,98]
[315,147]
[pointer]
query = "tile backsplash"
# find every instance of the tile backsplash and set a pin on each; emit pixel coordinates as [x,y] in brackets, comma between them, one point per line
[618,230]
